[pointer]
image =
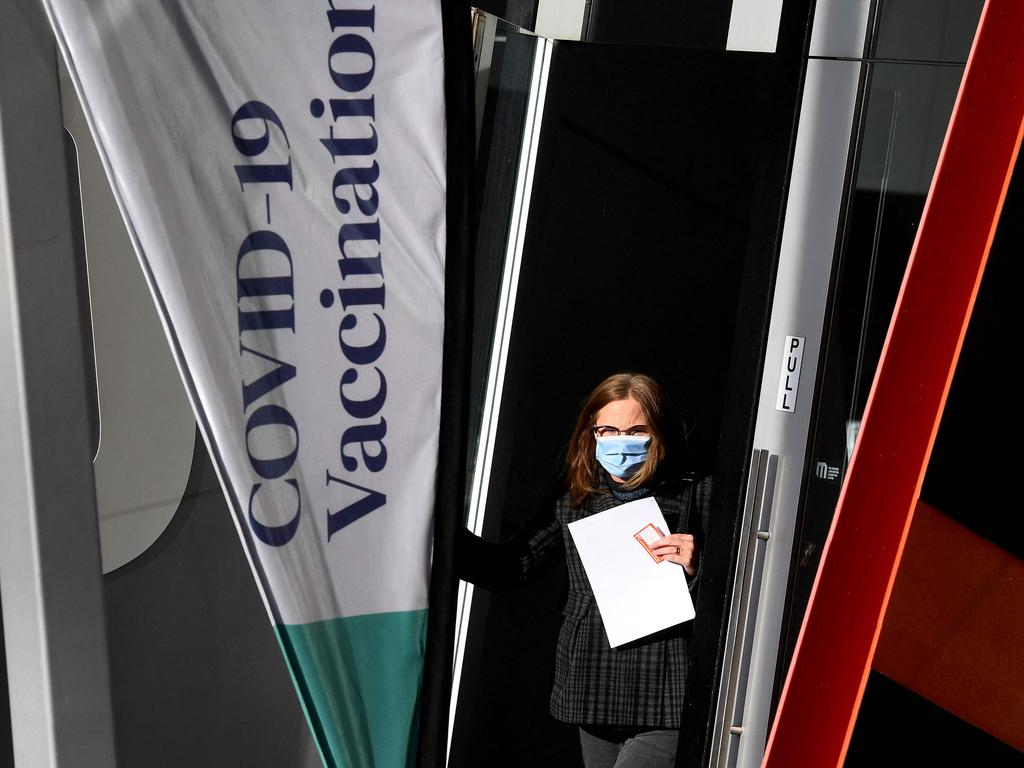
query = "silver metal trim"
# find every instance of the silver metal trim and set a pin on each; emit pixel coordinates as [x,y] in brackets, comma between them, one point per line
[760,547]
[749,625]
[841,28]
[720,743]
[750,568]
[768,498]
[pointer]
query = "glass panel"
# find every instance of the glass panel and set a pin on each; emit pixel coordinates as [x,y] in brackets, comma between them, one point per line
[946,659]
[502,117]
[926,30]
[982,403]
[904,118]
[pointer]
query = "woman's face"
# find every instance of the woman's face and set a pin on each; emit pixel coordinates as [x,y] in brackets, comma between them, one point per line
[621,414]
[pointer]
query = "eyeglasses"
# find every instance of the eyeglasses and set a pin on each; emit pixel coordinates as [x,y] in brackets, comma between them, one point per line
[638,430]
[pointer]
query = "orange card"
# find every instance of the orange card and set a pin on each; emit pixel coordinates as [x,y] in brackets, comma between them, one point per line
[647,535]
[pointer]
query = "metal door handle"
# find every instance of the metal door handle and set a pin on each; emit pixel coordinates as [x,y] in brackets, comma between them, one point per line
[758,508]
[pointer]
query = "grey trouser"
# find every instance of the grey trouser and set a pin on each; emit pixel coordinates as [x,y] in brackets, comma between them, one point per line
[649,749]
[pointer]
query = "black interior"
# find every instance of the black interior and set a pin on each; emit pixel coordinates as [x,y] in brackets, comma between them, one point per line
[649,247]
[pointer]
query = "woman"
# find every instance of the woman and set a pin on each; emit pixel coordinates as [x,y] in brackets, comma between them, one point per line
[627,701]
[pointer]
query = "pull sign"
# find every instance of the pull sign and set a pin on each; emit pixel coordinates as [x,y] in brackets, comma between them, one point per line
[789,379]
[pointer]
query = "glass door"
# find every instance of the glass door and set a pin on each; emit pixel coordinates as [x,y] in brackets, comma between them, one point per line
[629,207]
[878,118]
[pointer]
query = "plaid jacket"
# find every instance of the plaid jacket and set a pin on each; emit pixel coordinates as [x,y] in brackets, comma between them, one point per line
[639,684]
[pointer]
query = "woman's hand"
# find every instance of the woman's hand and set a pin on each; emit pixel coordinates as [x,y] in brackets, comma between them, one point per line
[678,548]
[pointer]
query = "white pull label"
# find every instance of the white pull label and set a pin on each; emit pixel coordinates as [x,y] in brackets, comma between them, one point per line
[789,378]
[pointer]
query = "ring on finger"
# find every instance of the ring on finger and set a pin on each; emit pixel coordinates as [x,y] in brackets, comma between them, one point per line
[677,550]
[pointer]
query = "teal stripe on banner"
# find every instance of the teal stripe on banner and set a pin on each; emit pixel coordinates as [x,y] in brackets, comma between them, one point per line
[358,679]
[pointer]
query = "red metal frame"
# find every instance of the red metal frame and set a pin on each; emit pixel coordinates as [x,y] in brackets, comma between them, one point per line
[833,654]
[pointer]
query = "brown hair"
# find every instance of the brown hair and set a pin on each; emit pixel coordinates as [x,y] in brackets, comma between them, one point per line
[581,462]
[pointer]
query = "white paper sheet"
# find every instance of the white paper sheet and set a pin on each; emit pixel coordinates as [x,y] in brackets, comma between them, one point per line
[637,596]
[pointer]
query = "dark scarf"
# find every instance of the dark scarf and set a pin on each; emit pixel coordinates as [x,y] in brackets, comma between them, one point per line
[616,490]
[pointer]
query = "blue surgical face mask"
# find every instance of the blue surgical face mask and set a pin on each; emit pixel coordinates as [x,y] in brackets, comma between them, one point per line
[622,455]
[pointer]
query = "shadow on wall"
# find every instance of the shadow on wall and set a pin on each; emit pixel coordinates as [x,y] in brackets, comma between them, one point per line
[197,676]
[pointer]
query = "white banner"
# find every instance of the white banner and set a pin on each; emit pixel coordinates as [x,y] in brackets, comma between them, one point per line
[281,168]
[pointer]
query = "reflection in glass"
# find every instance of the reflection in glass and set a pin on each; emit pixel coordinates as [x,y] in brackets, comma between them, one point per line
[905,112]
[925,30]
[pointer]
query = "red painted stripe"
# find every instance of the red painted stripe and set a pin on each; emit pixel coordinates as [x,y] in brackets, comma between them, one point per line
[826,680]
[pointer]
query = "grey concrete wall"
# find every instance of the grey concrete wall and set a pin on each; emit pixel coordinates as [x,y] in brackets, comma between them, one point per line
[197,676]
